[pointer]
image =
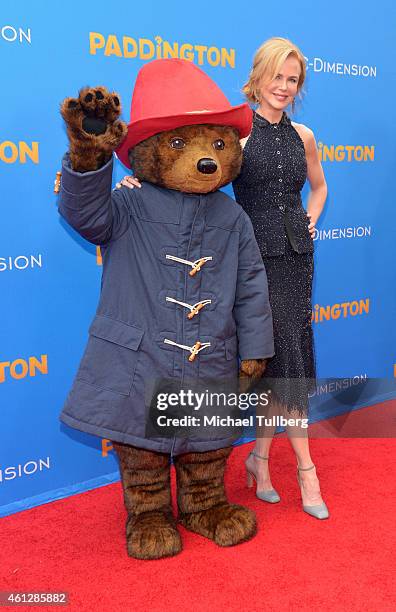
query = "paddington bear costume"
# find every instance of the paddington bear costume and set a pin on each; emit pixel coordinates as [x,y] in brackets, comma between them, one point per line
[184,289]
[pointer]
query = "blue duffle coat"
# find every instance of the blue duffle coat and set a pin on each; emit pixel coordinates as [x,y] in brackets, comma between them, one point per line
[150,240]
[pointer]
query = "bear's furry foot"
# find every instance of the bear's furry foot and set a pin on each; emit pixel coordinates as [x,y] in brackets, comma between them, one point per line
[152,536]
[203,506]
[226,525]
[151,529]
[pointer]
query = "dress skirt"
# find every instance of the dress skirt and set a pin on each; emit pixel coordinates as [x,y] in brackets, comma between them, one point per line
[291,373]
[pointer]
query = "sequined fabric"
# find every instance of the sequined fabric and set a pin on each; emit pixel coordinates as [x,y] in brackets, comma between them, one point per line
[269,186]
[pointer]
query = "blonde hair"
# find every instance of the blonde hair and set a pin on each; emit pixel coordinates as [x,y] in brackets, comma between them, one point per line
[267,62]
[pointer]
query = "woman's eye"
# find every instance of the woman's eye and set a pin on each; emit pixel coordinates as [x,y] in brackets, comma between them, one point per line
[219,144]
[177,143]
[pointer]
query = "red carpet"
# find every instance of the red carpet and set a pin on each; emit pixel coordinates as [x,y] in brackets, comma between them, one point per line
[295,563]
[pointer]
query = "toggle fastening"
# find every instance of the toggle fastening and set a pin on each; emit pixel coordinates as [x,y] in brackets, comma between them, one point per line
[194,309]
[194,350]
[196,265]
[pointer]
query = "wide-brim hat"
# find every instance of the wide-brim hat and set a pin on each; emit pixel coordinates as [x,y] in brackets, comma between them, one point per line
[171,93]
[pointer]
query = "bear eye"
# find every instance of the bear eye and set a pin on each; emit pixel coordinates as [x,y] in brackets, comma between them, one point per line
[219,144]
[177,143]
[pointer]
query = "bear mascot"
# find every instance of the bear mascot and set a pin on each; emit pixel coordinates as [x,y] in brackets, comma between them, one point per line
[183,293]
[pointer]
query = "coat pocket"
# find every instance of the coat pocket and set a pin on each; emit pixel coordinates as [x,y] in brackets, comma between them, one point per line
[111,355]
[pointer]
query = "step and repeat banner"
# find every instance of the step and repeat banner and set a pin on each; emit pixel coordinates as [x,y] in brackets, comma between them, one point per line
[50,277]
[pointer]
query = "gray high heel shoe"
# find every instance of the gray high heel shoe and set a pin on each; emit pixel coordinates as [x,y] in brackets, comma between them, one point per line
[320,511]
[271,495]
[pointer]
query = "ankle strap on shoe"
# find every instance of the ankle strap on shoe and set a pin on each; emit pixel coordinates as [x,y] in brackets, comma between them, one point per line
[258,456]
[306,469]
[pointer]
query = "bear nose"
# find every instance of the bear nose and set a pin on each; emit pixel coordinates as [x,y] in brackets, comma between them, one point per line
[206,165]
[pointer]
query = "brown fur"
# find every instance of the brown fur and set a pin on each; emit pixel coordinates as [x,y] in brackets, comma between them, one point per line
[154,160]
[250,371]
[151,530]
[90,151]
[202,502]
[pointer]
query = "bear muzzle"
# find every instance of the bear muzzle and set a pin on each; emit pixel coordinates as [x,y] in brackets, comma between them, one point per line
[206,165]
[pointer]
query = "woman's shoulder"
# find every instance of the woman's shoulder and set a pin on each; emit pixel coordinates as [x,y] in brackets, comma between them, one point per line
[305,133]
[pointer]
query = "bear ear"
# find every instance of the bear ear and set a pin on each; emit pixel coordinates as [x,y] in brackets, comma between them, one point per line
[232,156]
[144,160]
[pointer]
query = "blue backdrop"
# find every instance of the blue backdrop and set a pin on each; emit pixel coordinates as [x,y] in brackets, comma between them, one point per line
[50,278]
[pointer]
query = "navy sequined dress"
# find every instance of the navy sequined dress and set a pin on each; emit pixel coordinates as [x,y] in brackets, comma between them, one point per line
[273,173]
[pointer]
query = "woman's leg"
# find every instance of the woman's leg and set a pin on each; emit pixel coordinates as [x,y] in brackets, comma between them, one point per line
[310,489]
[264,436]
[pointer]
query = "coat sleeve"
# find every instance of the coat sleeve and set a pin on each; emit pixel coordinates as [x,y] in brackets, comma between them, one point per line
[252,311]
[89,205]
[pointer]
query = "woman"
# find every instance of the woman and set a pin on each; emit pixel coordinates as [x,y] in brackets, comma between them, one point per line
[278,157]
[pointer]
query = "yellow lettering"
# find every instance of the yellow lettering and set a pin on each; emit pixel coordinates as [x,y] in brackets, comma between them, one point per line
[324,313]
[144,42]
[106,447]
[358,153]
[344,307]
[328,153]
[186,52]
[364,306]
[335,311]
[213,56]
[112,46]
[349,148]
[200,49]
[32,152]
[170,51]
[3,366]
[35,364]
[369,153]
[339,153]
[8,159]
[15,364]
[129,46]
[228,57]
[96,41]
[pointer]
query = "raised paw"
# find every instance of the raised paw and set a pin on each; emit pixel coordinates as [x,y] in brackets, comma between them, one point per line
[93,111]
[152,535]
[93,126]
[225,524]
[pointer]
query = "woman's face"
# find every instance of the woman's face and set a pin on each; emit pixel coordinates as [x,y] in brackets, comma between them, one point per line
[279,93]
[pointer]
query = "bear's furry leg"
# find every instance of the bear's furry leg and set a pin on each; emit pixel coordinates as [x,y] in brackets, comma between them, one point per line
[202,502]
[151,530]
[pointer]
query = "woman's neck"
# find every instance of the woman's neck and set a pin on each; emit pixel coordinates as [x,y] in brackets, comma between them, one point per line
[271,114]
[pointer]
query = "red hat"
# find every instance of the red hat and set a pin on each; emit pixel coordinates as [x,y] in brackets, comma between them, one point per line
[170,93]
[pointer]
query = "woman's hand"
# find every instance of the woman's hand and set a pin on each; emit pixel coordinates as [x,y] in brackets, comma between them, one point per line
[311,226]
[129,181]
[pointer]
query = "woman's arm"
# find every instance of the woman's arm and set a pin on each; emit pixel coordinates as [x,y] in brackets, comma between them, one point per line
[316,178]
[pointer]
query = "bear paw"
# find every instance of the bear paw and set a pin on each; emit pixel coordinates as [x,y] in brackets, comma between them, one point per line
[93,127]
[152,536]
[227,524]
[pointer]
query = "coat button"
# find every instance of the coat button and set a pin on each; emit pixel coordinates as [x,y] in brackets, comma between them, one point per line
[280,180]
[278,152]
[279,166]
[280,193]
[281,207]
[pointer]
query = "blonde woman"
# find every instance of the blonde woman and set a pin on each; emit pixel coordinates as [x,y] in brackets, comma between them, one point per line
[278,156]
